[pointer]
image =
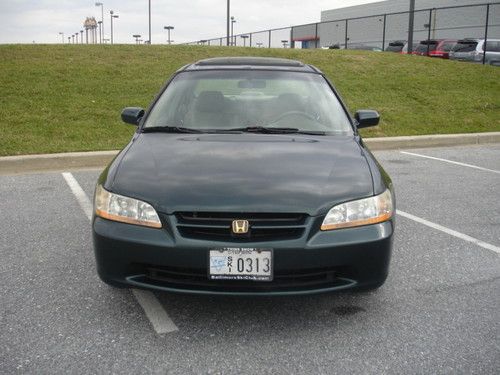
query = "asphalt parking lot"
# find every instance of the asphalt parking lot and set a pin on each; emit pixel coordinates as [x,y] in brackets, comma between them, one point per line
[439,311]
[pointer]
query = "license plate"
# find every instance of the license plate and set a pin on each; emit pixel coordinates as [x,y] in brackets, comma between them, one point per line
[234,263]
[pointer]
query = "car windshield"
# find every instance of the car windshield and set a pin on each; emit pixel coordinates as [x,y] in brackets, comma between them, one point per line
[237,99]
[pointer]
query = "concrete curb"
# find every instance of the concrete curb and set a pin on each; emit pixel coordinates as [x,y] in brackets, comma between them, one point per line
[99,159]
[422,141]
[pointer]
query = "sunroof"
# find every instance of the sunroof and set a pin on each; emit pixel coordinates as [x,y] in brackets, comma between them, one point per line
[262,61]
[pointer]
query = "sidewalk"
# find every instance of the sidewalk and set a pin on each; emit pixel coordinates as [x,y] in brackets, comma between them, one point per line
[99,159]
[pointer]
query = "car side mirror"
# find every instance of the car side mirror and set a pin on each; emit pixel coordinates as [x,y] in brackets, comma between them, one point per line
[367,118]
[132,115]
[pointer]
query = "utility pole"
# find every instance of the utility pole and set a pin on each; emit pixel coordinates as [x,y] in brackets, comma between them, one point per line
[411,21]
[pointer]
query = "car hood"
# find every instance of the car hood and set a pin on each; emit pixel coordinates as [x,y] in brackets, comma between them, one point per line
[243,172]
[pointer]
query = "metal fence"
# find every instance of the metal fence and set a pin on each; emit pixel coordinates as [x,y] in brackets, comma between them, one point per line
[452,22]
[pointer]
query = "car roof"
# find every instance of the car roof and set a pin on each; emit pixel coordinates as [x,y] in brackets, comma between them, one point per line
[251,63]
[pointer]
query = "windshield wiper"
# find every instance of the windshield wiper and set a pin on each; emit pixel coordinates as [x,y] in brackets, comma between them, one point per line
[273,130]
[180,129]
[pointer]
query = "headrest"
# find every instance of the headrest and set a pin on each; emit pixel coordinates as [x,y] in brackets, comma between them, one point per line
[210,101]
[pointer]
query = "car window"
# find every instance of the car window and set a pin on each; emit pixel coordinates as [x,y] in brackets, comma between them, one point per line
[226,99]
[447,46]
[423,47]
[468,46]
[492,46]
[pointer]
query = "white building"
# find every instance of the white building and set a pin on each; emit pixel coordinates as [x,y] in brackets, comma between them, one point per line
[365,23]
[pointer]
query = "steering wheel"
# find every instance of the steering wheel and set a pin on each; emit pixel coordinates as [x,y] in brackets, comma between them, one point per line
[294,113]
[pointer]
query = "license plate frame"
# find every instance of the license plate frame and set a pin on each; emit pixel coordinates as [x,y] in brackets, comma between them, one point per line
[218,269]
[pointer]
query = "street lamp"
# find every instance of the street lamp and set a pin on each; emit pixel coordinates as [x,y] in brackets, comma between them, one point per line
[233,42]
[285,43]
[102,18]
[113,15]
[168,28]
[81,36]
[136,36]
[62,36]
[244,37]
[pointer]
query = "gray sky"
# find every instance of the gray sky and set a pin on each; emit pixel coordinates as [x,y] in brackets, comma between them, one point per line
[25,21]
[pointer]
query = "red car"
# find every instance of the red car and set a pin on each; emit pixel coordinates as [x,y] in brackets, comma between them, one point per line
[435,48]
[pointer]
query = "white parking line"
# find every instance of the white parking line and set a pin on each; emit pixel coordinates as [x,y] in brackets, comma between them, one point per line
[450,161]
[153,309]
[80,195]
[449,231]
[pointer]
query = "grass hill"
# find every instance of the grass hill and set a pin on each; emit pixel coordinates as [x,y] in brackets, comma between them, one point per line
[68,97]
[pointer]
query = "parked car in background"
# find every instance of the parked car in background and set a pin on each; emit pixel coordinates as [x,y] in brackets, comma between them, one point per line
[473,50]
[435,48]
[396,46]
[443,49]
[404,51]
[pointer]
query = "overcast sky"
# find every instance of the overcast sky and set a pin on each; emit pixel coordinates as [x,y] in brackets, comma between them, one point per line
[25,21]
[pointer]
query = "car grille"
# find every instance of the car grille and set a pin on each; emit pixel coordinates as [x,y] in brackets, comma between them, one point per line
[283,280]
[216,226]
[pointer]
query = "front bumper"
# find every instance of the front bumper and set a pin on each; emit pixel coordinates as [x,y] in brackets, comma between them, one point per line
[161,259]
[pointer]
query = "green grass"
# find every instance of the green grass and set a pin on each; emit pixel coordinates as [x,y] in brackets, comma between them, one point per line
[68,98]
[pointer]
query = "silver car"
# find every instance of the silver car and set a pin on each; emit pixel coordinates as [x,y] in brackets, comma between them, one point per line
[473,50]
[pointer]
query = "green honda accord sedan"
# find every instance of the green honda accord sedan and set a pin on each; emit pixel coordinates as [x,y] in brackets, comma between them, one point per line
[245,176]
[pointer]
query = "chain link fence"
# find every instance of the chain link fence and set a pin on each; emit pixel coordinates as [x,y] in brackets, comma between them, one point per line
[378,32]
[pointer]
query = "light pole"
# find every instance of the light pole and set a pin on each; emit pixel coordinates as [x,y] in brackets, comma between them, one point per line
[62,36]
[227,21]
[102,18]
[232,30]
[285,43]
[113,15]
[244,37]
[100,31]
[136,36]
[168,28]
[149,7]
[411,21]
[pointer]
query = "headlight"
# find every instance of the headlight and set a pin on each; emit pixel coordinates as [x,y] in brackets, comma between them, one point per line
[361,212]
[127,210]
